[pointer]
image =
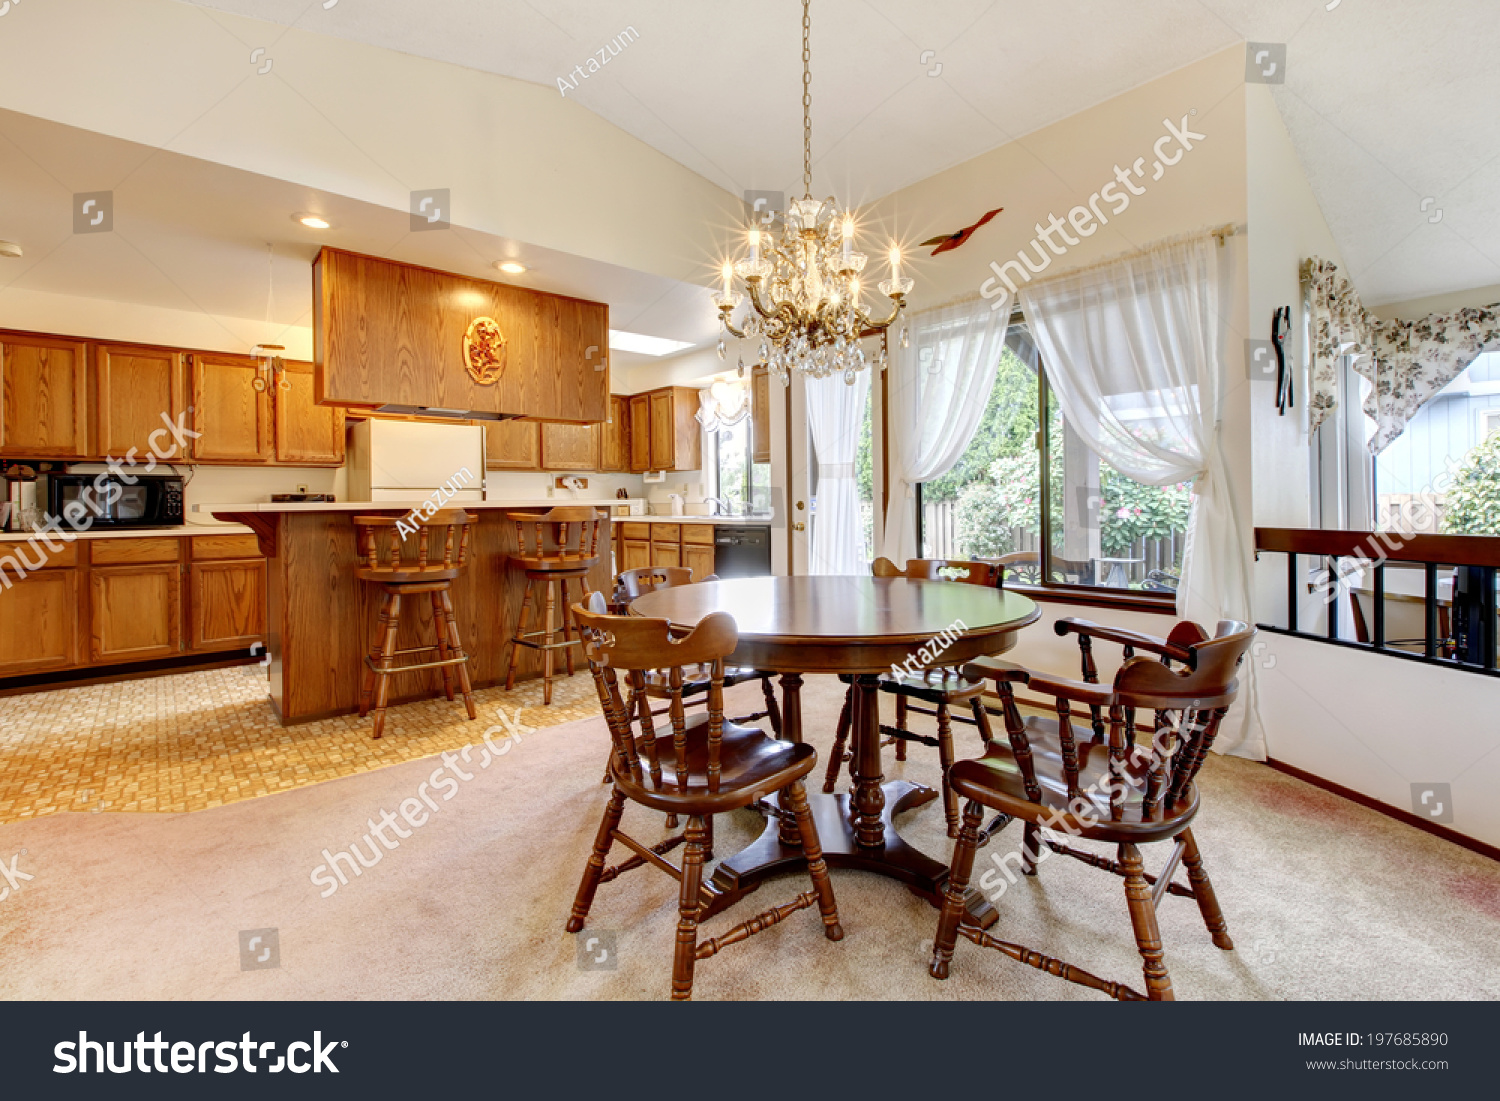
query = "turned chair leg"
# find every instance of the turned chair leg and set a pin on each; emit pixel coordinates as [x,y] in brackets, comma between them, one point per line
[773,709]
[900,725]
[456,649]
[367,683]
[440,629]
[945,762]
[689,905]
[1203,891]
[550,603]
[515,642]
[836,754]
[1143,922]
[817,868]
[953,894]
[584,900]
[568,625]
[1031,848]
[387,659]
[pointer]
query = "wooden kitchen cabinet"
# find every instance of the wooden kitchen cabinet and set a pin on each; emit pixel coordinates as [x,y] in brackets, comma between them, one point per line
[666,554]
[39,621]
[133,389]
[676,437]
[635,554]
[307,434]
[512,445]
[570,447]
[135,612]
[228,602]
[760,415]
[640,433]
[43,397]
[616,431]
[699,559]
[233,418]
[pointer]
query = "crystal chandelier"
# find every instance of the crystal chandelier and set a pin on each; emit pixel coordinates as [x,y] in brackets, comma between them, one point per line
[803,285]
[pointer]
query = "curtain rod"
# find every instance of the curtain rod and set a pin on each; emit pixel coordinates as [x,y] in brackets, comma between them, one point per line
[1220,234]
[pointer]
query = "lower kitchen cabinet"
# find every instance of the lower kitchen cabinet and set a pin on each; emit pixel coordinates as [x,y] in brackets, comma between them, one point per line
[666,554]
[228,602]
[635,554]
[39,622]
[699,559]
[135,612]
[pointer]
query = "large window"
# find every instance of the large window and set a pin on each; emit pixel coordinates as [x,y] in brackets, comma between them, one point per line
[1030,491]
[745,486]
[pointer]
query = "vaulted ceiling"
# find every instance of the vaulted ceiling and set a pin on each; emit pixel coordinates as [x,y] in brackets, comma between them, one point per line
[1390,105]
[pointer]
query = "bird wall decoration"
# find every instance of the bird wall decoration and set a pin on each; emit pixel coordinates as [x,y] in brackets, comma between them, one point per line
[946,242]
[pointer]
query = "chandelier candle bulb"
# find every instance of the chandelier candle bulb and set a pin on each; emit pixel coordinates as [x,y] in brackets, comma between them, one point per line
[754,247]
[895,263]
[728,277]
[848,236]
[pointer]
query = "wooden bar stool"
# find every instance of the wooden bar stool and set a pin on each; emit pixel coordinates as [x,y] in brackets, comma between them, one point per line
[404,566]
[563,545]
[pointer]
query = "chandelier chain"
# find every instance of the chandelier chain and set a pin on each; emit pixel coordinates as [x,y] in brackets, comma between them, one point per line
[806,100]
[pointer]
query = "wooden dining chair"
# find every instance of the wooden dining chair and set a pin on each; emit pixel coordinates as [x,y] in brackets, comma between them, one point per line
[939,689]
[1107,790]
[695,766]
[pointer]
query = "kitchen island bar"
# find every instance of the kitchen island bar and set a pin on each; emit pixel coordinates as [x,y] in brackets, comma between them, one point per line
[320,619]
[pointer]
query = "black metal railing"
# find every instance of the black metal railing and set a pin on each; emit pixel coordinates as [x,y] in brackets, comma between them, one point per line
[1459,628]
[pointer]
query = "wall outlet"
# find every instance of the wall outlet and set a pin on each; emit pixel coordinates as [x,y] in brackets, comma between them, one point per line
[302,489]
[560,482]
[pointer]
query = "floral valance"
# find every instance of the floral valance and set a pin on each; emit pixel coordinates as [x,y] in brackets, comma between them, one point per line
[1407,362]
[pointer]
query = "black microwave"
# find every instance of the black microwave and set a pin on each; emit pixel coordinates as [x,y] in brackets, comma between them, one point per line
[106,500]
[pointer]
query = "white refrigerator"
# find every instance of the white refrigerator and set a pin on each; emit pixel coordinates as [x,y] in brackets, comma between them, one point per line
[409,461]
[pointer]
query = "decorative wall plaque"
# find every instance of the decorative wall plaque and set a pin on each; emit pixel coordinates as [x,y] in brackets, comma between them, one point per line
[484,351]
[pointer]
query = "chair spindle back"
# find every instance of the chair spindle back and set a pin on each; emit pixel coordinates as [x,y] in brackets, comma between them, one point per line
[568,531]
[384,546]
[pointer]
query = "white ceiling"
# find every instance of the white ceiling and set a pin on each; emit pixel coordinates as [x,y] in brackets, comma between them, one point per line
[193,235]
[1388,103]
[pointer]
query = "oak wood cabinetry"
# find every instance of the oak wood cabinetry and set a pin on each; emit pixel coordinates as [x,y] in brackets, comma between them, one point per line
[512,445]
[676,438]
[101,602]
[570,446]
[39,621]
[134,388]
[307,433]
[640,433]
[698,549]
[43,397]
[616,445]
[387,333]
[232,417]
[641,544]
[666,544]
[760,415]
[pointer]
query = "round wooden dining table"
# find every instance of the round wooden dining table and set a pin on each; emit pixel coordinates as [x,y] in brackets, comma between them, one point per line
[859,626]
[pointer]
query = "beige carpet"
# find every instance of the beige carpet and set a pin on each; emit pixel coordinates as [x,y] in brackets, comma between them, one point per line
[1324,899]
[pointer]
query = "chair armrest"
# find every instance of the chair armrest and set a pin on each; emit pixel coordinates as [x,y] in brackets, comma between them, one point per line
[1003,672]
[1133,639]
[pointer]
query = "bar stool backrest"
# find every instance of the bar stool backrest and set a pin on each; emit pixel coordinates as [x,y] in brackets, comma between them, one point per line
[569,531]
[440,543]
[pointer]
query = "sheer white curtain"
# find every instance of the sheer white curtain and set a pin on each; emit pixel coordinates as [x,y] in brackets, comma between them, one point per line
[1132,350]
[835,415]
[938,390]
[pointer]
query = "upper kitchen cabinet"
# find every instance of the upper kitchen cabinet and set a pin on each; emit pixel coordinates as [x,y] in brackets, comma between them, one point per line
[307,434]
[231,416]
[570,447]
[411,338]
[512,445]
[676,438]
[134,388]
[43,397]
[616,454]
[640,433]
[760,415]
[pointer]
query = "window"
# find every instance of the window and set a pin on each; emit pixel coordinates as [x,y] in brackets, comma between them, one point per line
[1438,475]
[745,486]
[1028,488]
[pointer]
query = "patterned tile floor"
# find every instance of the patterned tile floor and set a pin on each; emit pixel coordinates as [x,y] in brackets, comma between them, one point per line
[195,740]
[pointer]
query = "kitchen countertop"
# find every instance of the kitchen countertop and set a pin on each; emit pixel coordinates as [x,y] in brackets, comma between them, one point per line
[735,521]
[402,506]
[176,532]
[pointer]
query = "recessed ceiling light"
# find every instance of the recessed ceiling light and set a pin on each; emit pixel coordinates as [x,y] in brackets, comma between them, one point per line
[311,221]
[10,248]
[622,341]
[510,267]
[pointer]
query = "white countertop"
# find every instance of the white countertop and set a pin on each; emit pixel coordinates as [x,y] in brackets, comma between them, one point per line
[735,521]
[390,506]
[176,532]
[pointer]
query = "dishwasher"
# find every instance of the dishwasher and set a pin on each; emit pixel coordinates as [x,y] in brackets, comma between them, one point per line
[742,551]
